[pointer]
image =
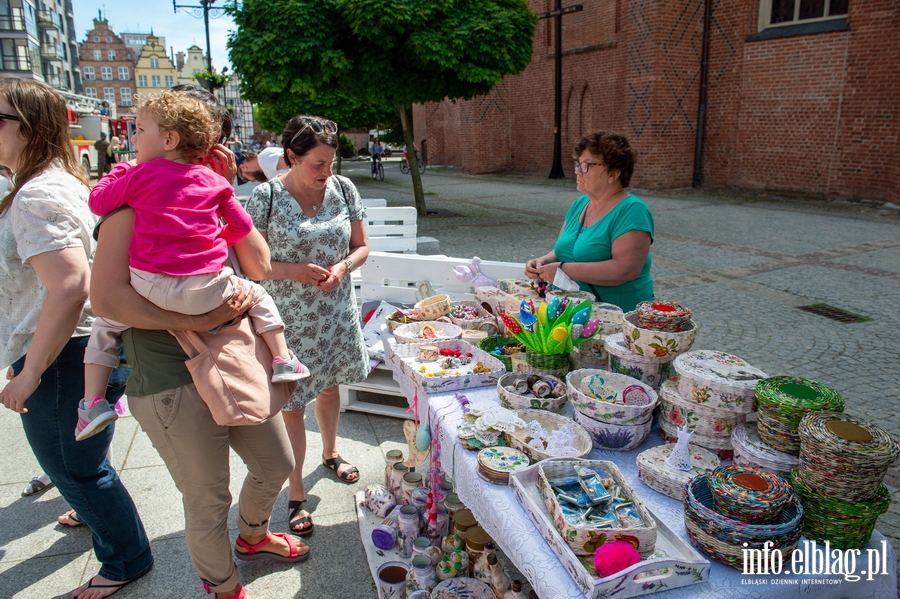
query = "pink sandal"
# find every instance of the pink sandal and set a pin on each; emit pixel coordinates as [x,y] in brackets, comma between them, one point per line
[241,594]
[253,553]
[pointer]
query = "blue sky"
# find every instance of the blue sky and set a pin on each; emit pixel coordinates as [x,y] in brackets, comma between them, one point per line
[180,29]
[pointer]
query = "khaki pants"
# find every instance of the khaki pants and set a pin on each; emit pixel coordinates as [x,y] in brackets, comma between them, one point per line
[195,450]
[195,294]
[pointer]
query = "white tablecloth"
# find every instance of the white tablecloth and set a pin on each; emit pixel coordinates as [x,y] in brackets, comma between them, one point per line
[500,514]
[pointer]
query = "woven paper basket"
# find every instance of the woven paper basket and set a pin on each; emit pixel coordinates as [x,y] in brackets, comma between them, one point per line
[604,411]
[717,380]
[584,541]
[552,364]
[723,538]
[721,446]
[488,344]
[409,333]
[647,369]
[432,308]
[403,356]
[484,321]
[659,476]
[516,401]
[660,344]
[784,401]
[712,422]
[614,437]
[550,422]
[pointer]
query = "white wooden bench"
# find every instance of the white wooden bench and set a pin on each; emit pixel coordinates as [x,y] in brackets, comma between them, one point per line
[392,229]
[395,278]
[374,203]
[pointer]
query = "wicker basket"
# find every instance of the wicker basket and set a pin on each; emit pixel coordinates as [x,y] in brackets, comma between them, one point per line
[723,538]
[398,319]
[750,449]
[518,401]
[614,437]
[432,308]
[483,321]
[712,422]
[582,540]
[660,344]
[403,357]
[659,476]
[612,413]
[720,446]
[409,333]
[748,493]
[550,422]
[717,380]
[647,369]
[489,344]
[552,364]
[784,401]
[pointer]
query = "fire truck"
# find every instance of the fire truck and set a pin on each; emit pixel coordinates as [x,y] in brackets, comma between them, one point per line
[88,118]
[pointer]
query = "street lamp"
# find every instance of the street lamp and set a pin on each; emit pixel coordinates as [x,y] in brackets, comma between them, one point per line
[206,11]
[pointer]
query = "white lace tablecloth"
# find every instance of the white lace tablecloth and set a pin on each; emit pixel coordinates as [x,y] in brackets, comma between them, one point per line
[500,514]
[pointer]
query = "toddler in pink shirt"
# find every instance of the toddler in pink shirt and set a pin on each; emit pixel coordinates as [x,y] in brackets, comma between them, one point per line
[180,244]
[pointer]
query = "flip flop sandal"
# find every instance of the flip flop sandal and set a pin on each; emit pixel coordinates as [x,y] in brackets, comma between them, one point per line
[71,519]
[294,519]
[334,463]
[253,552]
[118,586]
[36,486]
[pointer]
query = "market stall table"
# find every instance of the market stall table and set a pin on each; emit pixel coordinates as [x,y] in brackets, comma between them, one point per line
[501,515]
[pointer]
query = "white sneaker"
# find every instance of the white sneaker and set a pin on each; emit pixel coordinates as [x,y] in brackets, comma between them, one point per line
[284,371]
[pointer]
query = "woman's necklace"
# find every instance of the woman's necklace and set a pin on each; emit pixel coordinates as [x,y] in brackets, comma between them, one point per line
[302,199]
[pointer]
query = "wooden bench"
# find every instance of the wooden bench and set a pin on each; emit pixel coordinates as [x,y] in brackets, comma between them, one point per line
[374,203]
[395,278]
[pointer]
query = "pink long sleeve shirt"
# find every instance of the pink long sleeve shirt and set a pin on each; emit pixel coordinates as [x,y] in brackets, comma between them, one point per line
[177,210]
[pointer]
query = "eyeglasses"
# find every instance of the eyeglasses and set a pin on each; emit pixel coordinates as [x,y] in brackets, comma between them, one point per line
[8,117]
[329,127]
[584,167]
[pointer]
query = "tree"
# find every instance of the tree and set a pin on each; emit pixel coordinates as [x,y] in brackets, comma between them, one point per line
[382,52]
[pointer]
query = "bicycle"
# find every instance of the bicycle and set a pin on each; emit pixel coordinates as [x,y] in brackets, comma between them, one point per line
[404,163]
[377,167]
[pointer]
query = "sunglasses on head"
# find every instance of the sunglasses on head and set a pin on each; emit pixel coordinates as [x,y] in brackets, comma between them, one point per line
[329,127]
[8,117]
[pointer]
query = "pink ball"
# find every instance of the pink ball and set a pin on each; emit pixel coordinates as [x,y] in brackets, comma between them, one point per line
[614,557]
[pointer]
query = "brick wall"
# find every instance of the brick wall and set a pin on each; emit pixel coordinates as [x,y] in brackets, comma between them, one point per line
[814,113]
[124,58]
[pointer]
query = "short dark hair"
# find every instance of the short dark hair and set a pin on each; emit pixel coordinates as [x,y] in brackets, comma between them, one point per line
[614,151]
[307,140]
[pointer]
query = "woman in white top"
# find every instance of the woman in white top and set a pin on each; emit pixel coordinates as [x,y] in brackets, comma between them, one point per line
[45,256]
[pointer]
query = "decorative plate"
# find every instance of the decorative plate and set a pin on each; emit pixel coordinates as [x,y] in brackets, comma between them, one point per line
[462,588]
[502,459]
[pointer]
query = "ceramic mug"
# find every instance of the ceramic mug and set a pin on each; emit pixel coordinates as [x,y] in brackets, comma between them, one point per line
[391,580]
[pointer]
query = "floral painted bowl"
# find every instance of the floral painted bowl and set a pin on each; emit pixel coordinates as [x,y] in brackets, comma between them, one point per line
[604,411]
[516,400]
[647,369]
[713,422]
[718,380]
[412,332]
[614,437]
[660,344]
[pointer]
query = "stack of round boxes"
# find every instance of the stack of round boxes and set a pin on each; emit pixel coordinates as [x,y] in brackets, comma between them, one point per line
[843,460]
[652,336]
[713,394]
[738,508]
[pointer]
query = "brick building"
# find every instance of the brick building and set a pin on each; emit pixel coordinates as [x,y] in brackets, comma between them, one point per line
[801,96]
[107,67]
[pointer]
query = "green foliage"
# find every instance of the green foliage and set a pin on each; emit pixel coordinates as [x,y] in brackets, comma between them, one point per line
[346,146]
[216,79]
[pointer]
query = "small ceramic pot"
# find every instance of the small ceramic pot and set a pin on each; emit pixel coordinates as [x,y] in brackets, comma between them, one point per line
[379,499]
[390,580]
[428,353]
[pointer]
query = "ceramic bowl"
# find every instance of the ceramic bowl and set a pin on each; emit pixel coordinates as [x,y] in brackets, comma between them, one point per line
[647,369]
[604,411]
[518,400]
[659,344]
[410,333]
[614,437]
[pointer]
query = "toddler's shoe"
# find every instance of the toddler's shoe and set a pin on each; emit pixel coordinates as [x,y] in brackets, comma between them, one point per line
[93,417]
[284,371]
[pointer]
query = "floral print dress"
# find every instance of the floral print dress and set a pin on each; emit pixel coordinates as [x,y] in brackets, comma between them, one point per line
[323,329]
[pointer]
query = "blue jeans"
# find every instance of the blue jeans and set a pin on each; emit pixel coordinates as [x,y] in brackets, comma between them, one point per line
[79,469]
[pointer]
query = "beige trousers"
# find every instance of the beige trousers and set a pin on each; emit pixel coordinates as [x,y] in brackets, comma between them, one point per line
[195,294]
[195,450]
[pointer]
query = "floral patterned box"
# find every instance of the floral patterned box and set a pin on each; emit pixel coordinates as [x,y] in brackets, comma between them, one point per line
[403,355]
[710,422]
[674,562]
[718,380]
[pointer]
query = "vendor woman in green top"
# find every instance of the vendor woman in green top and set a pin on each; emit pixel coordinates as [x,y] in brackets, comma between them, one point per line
[604,245]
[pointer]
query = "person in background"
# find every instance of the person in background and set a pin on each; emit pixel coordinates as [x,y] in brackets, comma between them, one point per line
[315,226]
[263,165]
[46,251]
[102,145]
[377,154]
[604,244]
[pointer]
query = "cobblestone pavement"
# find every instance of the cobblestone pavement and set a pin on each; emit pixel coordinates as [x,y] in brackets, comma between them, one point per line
[742,263]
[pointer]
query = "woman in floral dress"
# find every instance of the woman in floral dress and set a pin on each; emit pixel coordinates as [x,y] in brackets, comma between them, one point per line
[314,225]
